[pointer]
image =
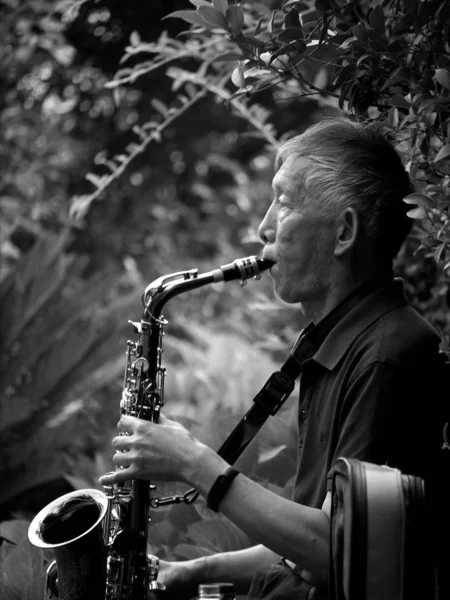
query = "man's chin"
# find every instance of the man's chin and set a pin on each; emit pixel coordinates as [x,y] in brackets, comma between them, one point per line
[286,295]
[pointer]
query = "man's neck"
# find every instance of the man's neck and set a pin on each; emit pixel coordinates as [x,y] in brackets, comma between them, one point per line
[316,309]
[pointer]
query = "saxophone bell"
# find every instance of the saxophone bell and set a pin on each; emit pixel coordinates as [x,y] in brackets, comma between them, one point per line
[72,527]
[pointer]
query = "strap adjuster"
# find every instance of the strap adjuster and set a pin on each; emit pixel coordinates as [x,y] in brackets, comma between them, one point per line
[275,391]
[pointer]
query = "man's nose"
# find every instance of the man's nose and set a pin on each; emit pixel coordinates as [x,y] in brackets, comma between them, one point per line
[267,228]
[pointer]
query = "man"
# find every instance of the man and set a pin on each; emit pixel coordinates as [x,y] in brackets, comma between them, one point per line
[336,222]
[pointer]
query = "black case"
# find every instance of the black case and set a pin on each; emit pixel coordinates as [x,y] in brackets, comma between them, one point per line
[380,545]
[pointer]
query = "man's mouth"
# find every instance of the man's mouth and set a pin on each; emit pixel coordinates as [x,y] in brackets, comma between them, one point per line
[270,260]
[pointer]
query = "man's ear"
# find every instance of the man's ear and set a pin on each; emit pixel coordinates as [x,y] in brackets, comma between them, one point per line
[347,231]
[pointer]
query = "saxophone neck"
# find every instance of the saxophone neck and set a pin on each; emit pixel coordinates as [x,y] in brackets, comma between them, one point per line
[158,292]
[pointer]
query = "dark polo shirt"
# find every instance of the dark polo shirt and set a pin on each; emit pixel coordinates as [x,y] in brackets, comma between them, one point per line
[373,391]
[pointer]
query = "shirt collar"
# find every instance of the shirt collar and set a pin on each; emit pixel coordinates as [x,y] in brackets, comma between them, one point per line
[367,311]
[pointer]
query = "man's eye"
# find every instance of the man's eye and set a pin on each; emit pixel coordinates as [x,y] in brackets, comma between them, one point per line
[285,200]
[285,204]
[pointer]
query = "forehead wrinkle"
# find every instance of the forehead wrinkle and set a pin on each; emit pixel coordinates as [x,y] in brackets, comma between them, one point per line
[291,184]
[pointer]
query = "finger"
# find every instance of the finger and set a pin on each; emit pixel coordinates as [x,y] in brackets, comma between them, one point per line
[122,459]
[117,476]
[127,424]
[121,443]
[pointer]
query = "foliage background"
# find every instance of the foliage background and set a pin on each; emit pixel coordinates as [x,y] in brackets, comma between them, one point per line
[88,86]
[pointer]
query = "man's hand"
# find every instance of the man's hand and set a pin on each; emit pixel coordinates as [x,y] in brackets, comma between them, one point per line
[157,451]
[179,578]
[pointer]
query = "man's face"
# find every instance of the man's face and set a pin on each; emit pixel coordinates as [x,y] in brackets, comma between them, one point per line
[297,237]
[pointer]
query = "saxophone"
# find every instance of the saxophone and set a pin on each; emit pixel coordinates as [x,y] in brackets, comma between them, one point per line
[100,539]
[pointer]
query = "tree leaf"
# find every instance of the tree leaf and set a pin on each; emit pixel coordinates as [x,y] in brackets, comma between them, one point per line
[198,3]
[220,5]
[237,77]
[228,56]
[417,213]
[342,74]
[190,16]
[292,19]
[95,179]
[443,77]
[259,26]
[419,199]
[444,152]
[322,5]
[271,22]
[362,58]
[440,251]
[321,79]
[290,34]
[377,20]
[135,38]
[235,17]
[159,107]
[360,33]
[399,101]
[348,42]
[213,16]
[377,41]
[400,75]
[393,116]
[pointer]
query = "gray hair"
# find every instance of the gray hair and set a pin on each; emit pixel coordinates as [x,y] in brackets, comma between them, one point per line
[355,166]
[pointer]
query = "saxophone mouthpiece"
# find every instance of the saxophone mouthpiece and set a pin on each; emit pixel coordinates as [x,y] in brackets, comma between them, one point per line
[243,269]
[264,263]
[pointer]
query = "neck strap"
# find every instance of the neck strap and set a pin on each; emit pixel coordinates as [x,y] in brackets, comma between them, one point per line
[280,384]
